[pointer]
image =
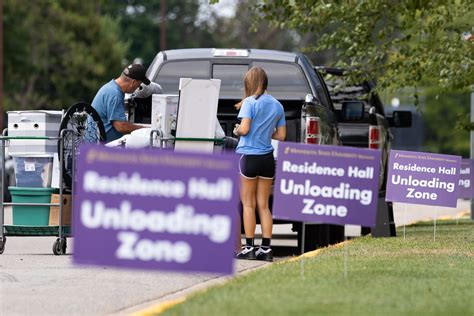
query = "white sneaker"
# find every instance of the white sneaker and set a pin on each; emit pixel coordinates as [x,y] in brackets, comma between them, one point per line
[247,253]
[265,254]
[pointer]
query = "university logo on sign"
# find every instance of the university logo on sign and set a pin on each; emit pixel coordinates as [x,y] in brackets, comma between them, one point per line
[151,209]
[423,178]
[326,184]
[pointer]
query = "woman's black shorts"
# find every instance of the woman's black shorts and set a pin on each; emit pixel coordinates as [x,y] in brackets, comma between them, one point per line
[252,166]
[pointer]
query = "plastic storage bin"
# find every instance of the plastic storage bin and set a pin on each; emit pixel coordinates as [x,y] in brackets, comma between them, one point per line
[31,215]
[33,124]
[33,172]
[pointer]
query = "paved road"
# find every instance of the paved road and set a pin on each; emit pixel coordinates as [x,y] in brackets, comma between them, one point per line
[35,282]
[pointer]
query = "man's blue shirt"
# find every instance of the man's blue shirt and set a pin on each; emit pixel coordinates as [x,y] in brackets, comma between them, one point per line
[109,103]
[266,114]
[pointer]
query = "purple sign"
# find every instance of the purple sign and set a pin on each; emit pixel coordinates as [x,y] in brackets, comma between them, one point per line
[423,178]
[155,209]
[466,179]
[326,184]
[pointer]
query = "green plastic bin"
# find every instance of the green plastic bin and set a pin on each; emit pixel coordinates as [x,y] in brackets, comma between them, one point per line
[31,215]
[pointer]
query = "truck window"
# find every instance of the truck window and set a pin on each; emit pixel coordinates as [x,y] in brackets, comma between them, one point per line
[285,81]
[170,73]
[341,92]
[232,79]
[321,90]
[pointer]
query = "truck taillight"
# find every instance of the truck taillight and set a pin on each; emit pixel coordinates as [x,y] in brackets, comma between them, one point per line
[374,137]
[313,131]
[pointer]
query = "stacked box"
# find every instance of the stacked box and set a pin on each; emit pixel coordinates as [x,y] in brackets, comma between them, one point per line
[33,160]
[54,210]
[34,124]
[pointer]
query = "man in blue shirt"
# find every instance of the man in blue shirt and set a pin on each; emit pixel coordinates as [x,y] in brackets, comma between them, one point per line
[109,102]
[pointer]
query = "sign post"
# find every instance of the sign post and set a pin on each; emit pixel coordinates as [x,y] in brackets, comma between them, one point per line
[327,185]
[150,209]
[423,178]
[466,181]
[472,143]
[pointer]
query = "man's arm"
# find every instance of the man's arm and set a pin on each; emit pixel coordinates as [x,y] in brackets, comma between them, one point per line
[125,127]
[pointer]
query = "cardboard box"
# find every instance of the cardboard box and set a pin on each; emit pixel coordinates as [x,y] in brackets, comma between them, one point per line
[54,210]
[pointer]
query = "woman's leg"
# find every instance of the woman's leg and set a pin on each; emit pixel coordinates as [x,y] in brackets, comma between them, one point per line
[248,190]
[238,241]
[264,188]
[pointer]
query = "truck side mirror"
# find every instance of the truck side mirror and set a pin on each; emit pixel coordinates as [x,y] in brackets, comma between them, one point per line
[400,119]
[352,110]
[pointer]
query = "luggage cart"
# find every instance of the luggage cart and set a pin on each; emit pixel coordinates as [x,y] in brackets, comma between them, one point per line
[61,231]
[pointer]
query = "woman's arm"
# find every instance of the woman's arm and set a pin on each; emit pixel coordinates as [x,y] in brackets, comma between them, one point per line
[244,127]
[280,133]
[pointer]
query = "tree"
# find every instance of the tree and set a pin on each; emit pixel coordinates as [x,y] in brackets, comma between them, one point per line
[140,23]
[441,135]
[402,43]
[243,31]
[57,52]
[187,27]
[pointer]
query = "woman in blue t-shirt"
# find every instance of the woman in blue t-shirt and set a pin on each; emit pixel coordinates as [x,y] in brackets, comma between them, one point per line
[262,119]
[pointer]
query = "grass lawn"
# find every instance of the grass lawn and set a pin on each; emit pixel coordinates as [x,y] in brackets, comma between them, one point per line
[385,276]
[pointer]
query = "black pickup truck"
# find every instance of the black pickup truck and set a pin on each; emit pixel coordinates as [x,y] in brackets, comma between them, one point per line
[293,81]
[361,116]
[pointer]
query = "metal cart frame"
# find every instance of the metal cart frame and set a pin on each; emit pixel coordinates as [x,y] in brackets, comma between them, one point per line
[61,231]
[157,135]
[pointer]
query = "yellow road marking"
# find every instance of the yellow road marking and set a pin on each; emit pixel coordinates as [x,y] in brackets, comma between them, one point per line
[160,308]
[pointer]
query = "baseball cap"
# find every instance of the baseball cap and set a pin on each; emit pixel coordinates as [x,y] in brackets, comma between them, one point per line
[137,72]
